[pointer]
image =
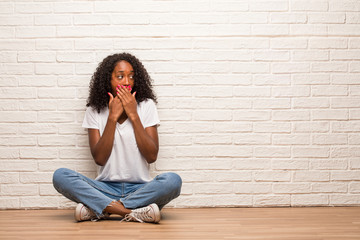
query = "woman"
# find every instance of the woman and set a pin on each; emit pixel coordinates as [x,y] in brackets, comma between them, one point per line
[122,122]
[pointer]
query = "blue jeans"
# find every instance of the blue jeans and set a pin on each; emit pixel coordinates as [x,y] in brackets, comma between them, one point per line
[97,195]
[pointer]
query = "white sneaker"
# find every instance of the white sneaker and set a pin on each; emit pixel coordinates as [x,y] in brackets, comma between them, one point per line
[149,214]
[83,213]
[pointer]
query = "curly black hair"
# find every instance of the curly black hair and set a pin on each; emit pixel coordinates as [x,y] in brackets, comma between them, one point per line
[100,83]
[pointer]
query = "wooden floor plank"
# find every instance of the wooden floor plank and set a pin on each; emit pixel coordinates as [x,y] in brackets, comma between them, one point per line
[338,223]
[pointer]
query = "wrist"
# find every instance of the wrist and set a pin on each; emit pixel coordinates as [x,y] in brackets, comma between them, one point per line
[134,117]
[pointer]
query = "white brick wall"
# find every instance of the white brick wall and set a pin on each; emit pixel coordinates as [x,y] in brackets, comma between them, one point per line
[259,100]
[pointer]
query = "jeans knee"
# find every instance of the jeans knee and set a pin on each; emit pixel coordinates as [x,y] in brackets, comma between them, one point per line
[59,176]
[173,182]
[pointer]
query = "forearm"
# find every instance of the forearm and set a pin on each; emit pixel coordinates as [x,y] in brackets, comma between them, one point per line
[147,146]
[102,150]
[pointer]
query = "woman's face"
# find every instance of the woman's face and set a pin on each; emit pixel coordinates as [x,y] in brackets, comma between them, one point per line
[123,74]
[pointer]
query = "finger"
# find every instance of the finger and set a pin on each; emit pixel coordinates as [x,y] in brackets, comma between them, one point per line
[134,94]
[111,97]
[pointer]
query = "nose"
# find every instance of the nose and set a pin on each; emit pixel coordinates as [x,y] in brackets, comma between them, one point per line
[127,80]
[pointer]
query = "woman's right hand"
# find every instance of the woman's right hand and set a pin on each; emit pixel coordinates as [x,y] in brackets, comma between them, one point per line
[115,107]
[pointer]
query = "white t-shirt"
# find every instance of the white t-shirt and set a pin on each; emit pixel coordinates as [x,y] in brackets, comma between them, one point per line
[126,163]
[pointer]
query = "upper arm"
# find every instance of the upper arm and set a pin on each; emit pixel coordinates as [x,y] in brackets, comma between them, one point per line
[94,137]
[153,133]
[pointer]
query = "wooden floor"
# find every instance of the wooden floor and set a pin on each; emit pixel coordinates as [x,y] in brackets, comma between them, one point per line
[204,223]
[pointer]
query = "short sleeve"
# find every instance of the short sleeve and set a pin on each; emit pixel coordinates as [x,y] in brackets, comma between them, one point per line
[91,119]
[151,117]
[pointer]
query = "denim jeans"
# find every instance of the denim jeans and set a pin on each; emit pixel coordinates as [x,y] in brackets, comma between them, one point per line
[97,195]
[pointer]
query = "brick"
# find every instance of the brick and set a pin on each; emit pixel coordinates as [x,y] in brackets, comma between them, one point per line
[37,105]
[347,5]
[35,32]
[343,29]
[17,45]
[291,188]
[229,6]
[311,79]
[252,115]
[329,91]
[301,127]
[10,177]
[213,139]
[326,18]
[273,152]
[231,103]
[206,164]
[249,17]
[329,187]
[252,188]
[227,127]
[352,17]
[174,165]
[92,44]
[54,69]
[271,55]
[355,67]
[311,176]
[293,115]
[17,69]
[270,29]
[78,153]
[252,91]
[57,20]
[174,115]
[8,129]
[298,91]
[54,44]
[33,8]
[252,164]
[213,188]
[12,116]
[38,128]
[345,175]
[354,187]
[250,68]
[55,93]
[290,139]
[233,176]
[39,202]
[86,57]
[345,199]
[204,115]
[290,68]
[345,55]
[327,43]
[56,141]
[16,165]
[38,153]
[272,80]
[278,164]
[295,18]
[268,200]
[9,203]
[314,152]
[318,6]
[6,8]
[19,190]
[345,103]
[329,164]
[311,103]
[346,79]
[309,200]
[310,55]
[232,151]
[288,43]
[18,141]
[78,7]
[250,139]
[272,127]
[271,104]
[330,115]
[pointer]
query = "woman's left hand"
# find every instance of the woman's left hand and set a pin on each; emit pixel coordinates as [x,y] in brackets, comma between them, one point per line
[128,101]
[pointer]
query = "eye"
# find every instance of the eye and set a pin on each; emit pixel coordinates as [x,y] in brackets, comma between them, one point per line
[132,77]
[120,77]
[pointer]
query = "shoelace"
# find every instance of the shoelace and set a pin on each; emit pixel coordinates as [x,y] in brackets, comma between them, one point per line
[138,215]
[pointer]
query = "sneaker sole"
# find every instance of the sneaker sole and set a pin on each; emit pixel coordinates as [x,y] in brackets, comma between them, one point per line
[156,211]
